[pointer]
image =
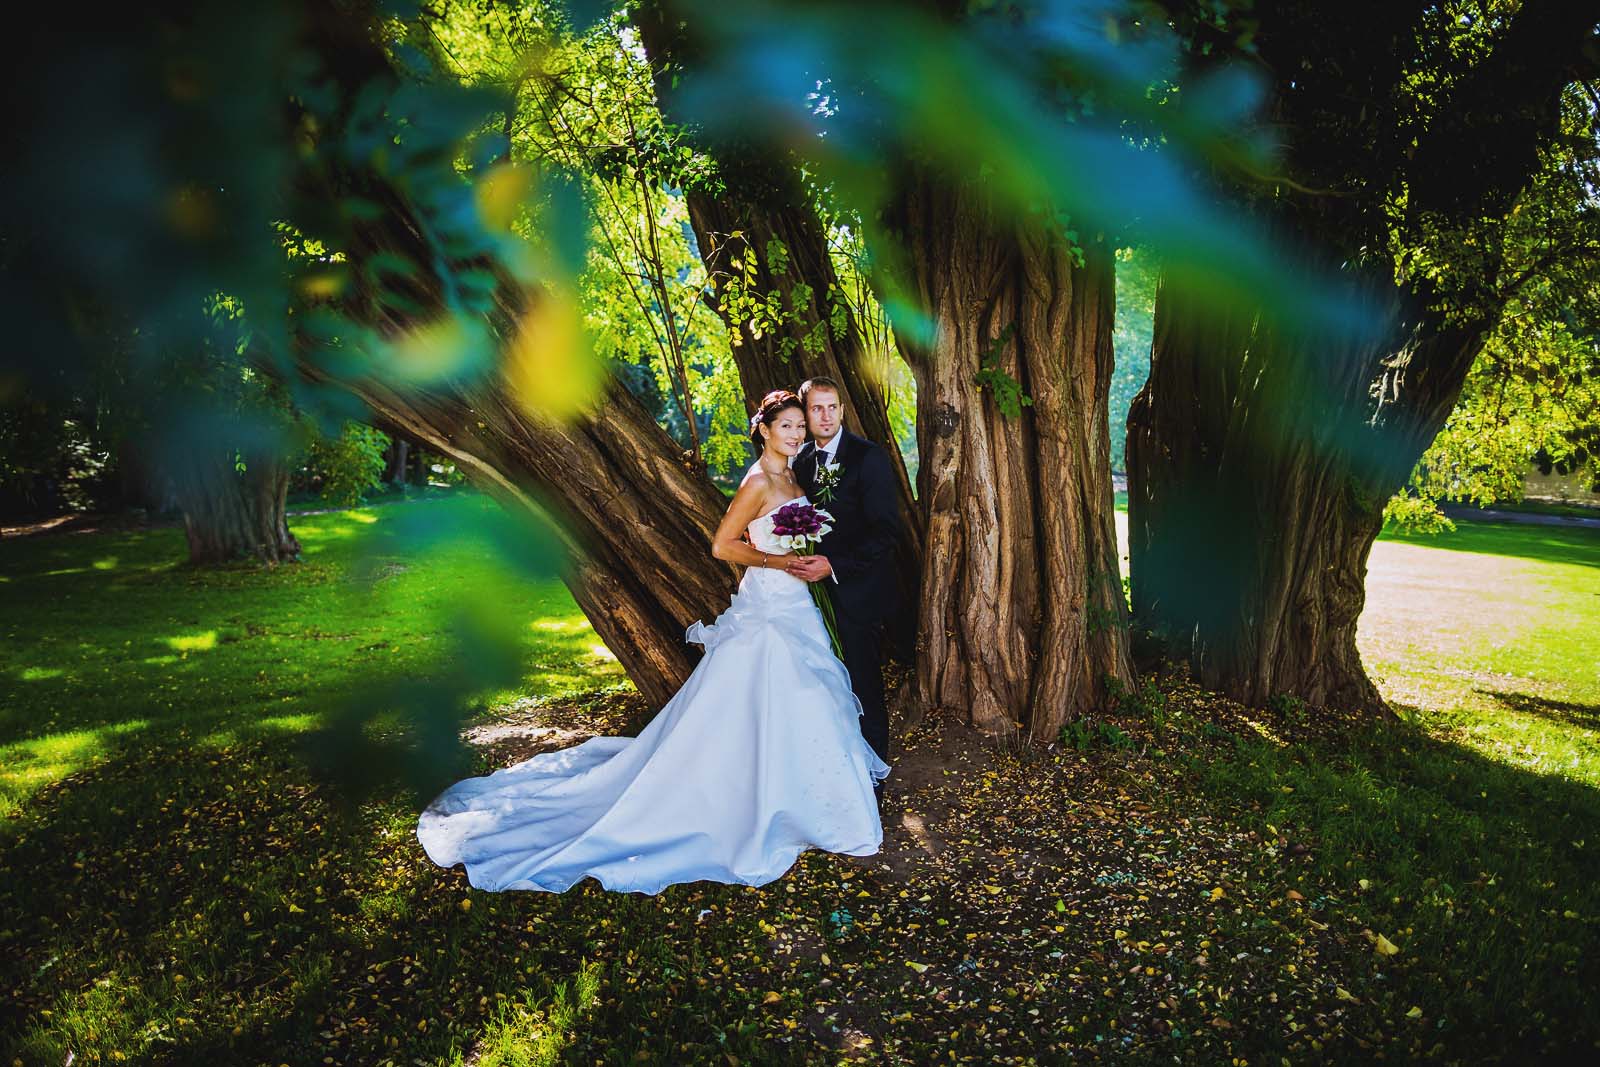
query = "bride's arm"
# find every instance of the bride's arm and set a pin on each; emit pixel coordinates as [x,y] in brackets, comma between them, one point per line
[726,543]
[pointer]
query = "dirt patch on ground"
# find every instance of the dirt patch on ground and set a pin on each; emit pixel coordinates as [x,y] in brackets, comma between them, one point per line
[82,523]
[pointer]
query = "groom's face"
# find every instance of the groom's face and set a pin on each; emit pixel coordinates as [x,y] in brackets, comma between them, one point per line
[822,413]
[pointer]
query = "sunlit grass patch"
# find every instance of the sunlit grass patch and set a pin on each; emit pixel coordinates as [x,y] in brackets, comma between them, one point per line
[290,723]
[202,642]
[571,625]
[1483,634]
[526,1031]
[28,766]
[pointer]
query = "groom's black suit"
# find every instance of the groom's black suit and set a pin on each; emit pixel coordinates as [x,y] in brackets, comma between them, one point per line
[860,548]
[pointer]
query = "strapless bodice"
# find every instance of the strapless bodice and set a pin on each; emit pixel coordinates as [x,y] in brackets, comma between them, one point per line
[761,534]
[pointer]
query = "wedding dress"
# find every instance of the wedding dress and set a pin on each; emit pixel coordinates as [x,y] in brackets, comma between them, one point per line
[758,757]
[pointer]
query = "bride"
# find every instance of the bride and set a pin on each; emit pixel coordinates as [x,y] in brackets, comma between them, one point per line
[758,757]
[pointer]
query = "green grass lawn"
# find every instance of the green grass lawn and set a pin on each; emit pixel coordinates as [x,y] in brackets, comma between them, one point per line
[183,880]
[113,643]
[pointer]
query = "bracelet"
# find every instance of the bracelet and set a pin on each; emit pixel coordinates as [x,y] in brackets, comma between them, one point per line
[763,561]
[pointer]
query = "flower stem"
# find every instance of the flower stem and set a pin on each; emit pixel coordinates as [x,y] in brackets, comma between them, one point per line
[825,605]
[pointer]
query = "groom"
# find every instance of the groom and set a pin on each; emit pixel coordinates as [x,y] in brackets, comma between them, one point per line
[857,557]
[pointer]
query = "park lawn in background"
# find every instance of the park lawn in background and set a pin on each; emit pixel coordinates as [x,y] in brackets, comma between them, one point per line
[1180,877]
[111,640]
[1488,633]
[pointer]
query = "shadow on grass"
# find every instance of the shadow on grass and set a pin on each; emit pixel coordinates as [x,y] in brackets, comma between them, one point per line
[1586,716]
[190,908]
[1580,547]
[1487,875]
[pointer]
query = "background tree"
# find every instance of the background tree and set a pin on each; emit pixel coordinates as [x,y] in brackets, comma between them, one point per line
[346,465]
[1137,271]
[226,457]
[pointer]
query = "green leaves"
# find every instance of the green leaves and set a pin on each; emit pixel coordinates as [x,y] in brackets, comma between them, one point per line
[1006,391]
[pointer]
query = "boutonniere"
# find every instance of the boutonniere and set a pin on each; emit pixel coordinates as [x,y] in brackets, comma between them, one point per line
[826,481]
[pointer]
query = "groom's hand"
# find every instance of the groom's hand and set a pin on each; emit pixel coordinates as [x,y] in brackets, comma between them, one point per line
[810,568]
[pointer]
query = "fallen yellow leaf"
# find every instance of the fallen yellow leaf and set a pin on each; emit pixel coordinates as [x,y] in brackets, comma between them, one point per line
[1385,947]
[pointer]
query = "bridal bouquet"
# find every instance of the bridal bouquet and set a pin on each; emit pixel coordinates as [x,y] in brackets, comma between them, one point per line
[798,528]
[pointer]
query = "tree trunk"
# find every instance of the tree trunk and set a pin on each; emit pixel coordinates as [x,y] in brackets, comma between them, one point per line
[394,469]
[1260,454]
[231,515]
[1022,616]
[1259,464]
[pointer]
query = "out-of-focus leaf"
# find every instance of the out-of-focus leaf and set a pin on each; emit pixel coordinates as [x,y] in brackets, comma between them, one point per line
[549,365]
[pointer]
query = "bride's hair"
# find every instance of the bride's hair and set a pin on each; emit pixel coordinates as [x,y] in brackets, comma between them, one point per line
[772,405]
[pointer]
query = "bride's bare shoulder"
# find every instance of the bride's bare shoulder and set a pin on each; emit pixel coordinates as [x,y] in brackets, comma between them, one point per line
[756,480]
[751,497]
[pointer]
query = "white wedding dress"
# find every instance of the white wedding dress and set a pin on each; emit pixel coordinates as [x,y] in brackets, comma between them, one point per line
[758,757]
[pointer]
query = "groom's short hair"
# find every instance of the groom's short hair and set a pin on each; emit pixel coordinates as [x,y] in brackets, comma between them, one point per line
[821,381]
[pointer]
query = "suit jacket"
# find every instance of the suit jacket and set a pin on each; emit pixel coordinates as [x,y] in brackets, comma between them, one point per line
[866,521]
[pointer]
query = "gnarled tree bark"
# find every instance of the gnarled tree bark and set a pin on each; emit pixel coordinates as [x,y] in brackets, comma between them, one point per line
[1022,617]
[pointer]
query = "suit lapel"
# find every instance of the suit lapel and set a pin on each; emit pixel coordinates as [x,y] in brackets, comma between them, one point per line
[805,466]
[841,455]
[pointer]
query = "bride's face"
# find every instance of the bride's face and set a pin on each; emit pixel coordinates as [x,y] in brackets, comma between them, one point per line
[787,432]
